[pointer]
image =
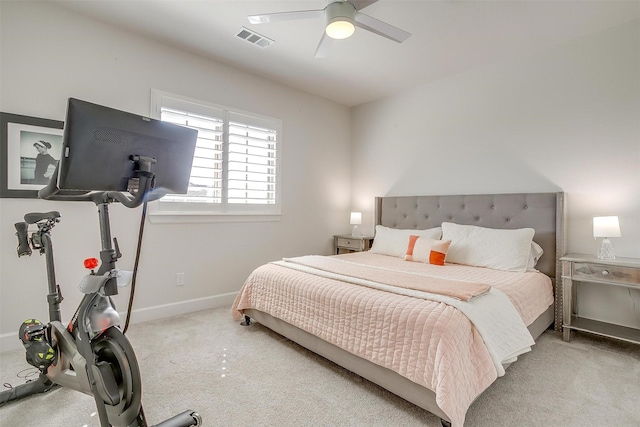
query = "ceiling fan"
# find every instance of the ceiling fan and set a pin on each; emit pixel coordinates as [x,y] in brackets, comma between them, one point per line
[342,16]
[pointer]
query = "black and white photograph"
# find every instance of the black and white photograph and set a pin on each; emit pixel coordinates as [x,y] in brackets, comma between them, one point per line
[31,149]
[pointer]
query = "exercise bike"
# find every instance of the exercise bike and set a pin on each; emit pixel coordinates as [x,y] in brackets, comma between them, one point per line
[90,354]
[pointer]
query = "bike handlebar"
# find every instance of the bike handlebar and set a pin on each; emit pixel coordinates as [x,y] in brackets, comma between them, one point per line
[52,192]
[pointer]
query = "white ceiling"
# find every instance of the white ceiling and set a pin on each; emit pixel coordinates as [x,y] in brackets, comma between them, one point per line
[448,37]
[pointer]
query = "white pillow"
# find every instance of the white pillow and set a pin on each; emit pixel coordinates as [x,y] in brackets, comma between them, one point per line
[499,249]
[534,256]
[393,241]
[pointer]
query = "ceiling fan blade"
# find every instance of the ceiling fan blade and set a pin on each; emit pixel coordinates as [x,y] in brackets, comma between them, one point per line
[285,16]
[361,4]
[324,46]
[380,28]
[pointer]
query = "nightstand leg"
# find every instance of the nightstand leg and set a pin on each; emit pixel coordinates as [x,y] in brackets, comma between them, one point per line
[568,294]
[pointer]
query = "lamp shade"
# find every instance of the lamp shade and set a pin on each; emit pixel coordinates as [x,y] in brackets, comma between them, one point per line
[356,218]
[606,226]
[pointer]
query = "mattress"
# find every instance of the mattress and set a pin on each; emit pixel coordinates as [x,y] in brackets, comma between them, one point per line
[424,339]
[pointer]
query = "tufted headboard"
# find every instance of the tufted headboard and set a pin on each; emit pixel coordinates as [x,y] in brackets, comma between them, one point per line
[544,212]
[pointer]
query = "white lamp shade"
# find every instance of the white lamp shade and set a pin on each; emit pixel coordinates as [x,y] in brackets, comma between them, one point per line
[356,218]
[606,226]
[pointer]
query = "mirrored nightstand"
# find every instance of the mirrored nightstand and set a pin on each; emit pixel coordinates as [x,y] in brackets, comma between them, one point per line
[577,268]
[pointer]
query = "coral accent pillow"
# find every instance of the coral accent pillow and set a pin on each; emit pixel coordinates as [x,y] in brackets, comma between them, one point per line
[393,241]
[430,251]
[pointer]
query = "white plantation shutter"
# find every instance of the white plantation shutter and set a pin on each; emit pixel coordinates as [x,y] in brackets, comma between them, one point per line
[252,175]
[236,162]
[205,184]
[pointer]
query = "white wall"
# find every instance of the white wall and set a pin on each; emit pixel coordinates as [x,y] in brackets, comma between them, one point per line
[50,54]
[566,119]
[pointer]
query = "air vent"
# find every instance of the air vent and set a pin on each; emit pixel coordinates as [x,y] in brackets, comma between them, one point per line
[254,38]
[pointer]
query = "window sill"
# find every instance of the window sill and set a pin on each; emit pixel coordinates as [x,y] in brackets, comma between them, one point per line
[209,217]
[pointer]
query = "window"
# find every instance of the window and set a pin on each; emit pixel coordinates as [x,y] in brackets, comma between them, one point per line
[236,163]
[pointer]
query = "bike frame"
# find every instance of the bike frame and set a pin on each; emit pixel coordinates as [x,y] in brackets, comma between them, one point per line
[76,367]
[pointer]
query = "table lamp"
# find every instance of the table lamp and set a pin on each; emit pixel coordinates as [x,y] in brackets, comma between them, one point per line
[606,226]
[356,219]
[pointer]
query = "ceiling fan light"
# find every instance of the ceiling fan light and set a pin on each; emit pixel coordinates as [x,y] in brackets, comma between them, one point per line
[340,19]
[340,28]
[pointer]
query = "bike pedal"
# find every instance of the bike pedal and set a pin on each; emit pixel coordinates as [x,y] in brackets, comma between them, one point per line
[31,329]
[40,353]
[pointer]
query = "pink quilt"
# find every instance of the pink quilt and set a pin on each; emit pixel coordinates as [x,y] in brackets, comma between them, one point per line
[428,342]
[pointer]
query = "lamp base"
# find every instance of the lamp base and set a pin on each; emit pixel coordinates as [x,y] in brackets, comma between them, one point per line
[605,251]
[356,231]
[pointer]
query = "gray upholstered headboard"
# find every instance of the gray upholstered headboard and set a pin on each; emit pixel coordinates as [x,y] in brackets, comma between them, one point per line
[544,212]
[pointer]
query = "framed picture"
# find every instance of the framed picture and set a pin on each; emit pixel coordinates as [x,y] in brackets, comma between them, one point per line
[30,148]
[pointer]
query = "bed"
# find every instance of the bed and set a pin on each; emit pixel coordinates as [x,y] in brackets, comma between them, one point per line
[424,348]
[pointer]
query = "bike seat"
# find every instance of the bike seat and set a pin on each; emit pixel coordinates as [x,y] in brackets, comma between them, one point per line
[33,217]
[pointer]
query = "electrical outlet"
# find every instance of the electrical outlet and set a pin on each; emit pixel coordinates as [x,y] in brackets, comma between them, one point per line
[179,279]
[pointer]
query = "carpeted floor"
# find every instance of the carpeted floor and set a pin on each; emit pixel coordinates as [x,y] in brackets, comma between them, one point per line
[251,376]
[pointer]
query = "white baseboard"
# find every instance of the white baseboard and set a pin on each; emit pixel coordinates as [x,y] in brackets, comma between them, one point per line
[181,307]
[10,340]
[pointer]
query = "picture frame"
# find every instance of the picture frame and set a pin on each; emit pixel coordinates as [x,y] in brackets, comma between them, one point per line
[29,149]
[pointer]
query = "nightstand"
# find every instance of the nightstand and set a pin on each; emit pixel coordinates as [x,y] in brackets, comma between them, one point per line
[350,243]
[578,268]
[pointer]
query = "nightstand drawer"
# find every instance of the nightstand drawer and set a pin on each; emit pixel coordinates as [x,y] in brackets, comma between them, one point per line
[606,273]
[350,243]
